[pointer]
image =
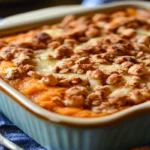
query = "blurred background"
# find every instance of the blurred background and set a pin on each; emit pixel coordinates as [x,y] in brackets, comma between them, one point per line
[11,7]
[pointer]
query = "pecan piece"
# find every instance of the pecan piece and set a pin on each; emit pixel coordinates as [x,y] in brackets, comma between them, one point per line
[128,33]
[54,44]
[133,82]
[50,80]
[82,68]
[83,60]
[92,32]
[86,49]
[68,19]
[114,79]
[122,59]
[13,73]
[145,39]
[75,80]
[70,42]
[30,45]
[42,37]
[94,99]
[126,65]
[137,96]
[100,17]
[64,82]
[75,96]
[7,53]
[63,51]
[2,43]
[117,49]
[138,70]
[96,74]
[34,74]
[118,98]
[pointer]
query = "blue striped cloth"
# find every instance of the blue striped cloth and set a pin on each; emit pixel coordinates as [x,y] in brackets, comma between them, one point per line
[12,133]
[94,2]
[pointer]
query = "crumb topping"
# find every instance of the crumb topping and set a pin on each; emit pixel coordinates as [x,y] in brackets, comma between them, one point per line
[102,60]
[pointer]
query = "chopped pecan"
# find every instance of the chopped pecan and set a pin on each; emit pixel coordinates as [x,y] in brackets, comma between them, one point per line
[61,68]
[128,33]
[34,74]
[83,60]
[94,99]
[66,64]
[122,59]
[67,20]
[42,37]
[133,82]
[118,14]
[112,26]
[30,45]
[21,58]
[7,53]
[75,96]
[126,65]
[106,90]
[138,70]
[26,68]
[86,20]
[82,68]
[64,82]
[13,73]
[54,44]
[83,39]
[115,39]
[86,50]
[139,95]
[1,58]
[92,32]
[118,98]
[58,100]
[79,30]
[144,39]
[63,51]
[75,80]
[2,43]
[141,47]
[115,44]
[109,57]
[114,79]
[96,74]
[129,22]
[147,62]
[70,42]
[117,49]
[49,80]
[97,58]
[100,17]
[140,54]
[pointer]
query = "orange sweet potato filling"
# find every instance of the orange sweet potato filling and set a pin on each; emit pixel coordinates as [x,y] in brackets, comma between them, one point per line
[116,36]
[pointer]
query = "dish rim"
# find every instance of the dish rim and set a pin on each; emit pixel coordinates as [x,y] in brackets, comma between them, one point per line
[76,121]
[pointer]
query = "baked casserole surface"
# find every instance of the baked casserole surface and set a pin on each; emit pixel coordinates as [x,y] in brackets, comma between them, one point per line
[87,66]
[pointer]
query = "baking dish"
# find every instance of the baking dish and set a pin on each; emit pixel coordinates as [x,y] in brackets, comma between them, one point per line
[121,130]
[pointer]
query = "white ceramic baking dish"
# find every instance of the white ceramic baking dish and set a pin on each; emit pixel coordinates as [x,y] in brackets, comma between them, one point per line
[119,131]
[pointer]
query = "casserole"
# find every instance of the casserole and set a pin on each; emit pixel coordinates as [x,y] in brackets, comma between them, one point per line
[71,133]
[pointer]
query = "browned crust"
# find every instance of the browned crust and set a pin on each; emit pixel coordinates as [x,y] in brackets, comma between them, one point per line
[89,104]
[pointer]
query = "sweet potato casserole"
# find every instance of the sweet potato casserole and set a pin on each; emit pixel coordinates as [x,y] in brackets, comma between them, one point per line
[86,66]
